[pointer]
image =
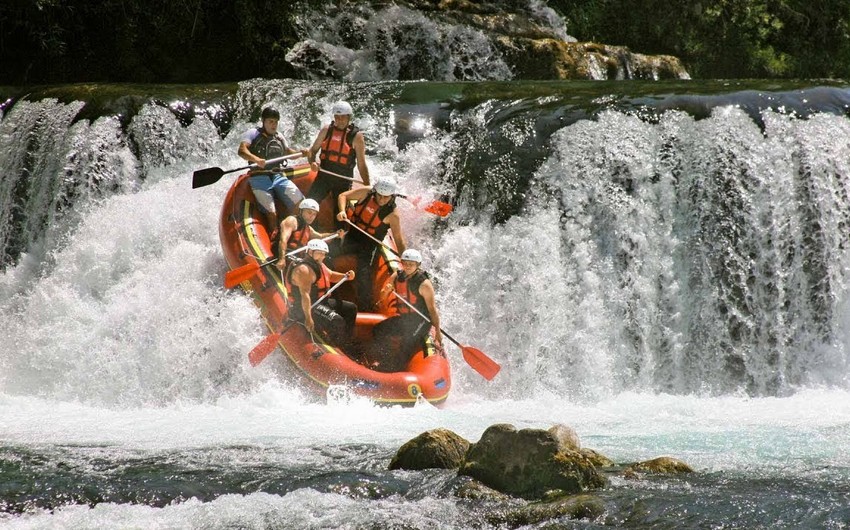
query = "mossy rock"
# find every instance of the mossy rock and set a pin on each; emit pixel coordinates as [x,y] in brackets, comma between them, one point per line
[438,448]
[471,489]
[597,459]
[528,463]
[662,465]
[573,507]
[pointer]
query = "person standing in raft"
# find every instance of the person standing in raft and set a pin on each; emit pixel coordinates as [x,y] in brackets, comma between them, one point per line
[342,147]
[402,335]
[297,231]
[374,213]
[309,279]
[268,183]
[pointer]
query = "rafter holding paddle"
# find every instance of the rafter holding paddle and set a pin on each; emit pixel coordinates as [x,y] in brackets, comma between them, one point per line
[373,238]
[326,349]
[475,358]
[268,344]
[435,207]
[211,175]
[240,274]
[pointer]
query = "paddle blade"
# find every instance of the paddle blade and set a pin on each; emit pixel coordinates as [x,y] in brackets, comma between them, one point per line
[240,274]
[438,208]
[263,349]
[487,367]
[435,207]
[205,177]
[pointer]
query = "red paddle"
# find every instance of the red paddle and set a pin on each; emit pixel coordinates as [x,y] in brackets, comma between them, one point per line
[435,207]
[268,344]
[244,272]
[265,347]
[477,359]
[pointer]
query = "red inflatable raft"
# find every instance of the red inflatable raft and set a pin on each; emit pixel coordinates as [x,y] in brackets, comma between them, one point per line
[245,240]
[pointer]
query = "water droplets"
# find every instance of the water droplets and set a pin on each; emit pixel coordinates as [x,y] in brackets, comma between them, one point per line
[396,43]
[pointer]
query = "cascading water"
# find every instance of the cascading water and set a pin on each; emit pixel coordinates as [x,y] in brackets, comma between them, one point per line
[360,43]
[48,164]
[701,255]
[644,277]
[710,255]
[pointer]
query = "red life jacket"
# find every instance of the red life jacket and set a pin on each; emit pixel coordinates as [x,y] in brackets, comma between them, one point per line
[369,215]
[338,151]
[300,236]
[320,285]
[408,288]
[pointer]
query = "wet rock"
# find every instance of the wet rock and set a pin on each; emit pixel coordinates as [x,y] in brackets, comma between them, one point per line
[447,40]
[529,462]
[438,448]
[471,489]
[597,459]
[556,59]
[662,465]
[573,507]
[630,474]
[319,60]
[566,436]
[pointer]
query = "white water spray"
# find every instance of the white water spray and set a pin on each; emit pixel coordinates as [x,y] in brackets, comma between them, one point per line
[681,256]
[684,256]
[397,43]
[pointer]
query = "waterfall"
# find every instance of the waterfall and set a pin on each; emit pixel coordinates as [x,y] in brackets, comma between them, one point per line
[680,256]
[620,251]
[48,164]
[396,42]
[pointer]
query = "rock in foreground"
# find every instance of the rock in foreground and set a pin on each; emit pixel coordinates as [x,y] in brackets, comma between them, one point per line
[438,448]
[529,462]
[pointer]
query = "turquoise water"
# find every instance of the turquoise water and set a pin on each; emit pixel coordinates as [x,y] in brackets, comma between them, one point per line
[272,459]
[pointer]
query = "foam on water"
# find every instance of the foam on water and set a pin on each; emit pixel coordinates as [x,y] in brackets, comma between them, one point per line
[683,256]
[301,509]
[711,433]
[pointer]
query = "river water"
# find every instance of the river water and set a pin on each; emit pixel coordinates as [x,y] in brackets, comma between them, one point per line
[661,266]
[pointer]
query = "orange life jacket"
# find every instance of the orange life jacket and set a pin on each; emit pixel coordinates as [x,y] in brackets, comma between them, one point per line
[300,236]
[337,150]
[320,285]
[408,288]
[369,215]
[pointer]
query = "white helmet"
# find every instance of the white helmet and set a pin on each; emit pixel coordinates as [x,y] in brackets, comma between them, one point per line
[342,107]
[385,186]
[317,244]
[309,204]
[411,254]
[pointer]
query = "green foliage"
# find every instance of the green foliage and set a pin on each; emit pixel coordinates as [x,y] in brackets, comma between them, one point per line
[56,41]
[724,38]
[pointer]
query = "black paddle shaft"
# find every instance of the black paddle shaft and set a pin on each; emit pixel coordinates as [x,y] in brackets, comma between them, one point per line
[211,175]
